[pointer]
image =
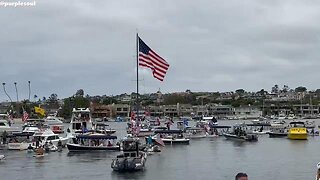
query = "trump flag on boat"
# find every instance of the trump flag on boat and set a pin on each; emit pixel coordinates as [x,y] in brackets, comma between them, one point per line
[149,59]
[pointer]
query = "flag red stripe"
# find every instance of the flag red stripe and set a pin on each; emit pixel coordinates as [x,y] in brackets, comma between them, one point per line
[153,63]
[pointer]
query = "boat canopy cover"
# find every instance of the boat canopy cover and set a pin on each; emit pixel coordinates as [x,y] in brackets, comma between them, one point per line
[168,131]
[101,124]
[297,122]
[221,127]
[96,137]
[260,124]
[193,128]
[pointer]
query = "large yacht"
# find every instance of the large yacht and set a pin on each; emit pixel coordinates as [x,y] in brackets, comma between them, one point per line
[81,121]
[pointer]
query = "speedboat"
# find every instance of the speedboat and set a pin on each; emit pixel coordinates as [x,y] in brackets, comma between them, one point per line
[241,133]
[215,131]
[170,137]
[262,128]
[195,133]
[132,159]
[278,130]
[100,127]
[33,125]
[81,121]
[52,120]
[93,142]
[297,131]
[48,136]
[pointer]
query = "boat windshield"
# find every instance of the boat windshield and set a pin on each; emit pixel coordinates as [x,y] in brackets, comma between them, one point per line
[130,145]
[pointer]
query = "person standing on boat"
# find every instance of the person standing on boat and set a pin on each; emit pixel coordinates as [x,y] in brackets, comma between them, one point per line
[241,176]
[4,137]
[59,145]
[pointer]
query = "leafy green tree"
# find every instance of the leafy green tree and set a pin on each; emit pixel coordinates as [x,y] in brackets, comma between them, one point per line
[300,89]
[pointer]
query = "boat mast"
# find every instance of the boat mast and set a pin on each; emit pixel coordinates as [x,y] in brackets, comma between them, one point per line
[137,97]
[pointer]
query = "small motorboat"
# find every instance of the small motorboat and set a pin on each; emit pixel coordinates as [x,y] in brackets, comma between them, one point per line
[151,149]
[2,157]
[278,130]
[132,159]
[241,133]
[170,137]
[297,131]
[195,132]
[39,153]
[50,148]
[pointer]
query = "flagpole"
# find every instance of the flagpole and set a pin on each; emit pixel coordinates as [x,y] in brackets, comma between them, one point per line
[137,98]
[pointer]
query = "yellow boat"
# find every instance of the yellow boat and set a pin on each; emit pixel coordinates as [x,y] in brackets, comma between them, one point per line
[297,131]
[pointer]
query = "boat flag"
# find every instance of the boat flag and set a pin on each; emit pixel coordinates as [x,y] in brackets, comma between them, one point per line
[40,111]
[149,59]
[25,116]
[159,140]
[132,116]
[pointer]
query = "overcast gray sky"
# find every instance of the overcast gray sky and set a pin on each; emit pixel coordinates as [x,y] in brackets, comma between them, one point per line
[211,45]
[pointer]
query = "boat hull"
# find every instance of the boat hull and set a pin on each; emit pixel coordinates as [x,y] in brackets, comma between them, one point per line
[18,146]
[298,133]
[129,164]
[294,136]
[277,135]
[250,137]
[175,141]
[78,147]
[234,137]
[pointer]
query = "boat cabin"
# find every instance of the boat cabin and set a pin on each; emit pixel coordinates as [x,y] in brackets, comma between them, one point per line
[297,124]
[130,148]
[95,140]
[81,120]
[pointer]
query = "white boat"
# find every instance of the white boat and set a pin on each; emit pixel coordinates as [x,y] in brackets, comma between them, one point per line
[33,125]
[19,141]
[48,136]
[4,126]
[170,137]
[2,157]
[53,120]
[195,133]
[81,121]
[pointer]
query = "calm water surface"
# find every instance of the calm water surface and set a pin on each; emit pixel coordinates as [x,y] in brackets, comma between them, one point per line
[215,158]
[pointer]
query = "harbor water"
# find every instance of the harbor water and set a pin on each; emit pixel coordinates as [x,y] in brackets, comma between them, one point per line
[208,158]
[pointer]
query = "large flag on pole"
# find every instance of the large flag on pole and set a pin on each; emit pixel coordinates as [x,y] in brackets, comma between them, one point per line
[149,59]
[40,111]
[25,116]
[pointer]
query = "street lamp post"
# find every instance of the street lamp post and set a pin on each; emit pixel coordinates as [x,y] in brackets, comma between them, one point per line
[4,89]
[15,85]
[29,89]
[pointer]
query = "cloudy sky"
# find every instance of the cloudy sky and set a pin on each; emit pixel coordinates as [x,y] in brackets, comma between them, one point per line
[211,45]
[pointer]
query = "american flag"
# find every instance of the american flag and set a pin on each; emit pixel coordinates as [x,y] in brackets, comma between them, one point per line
[149,59]
[25,116]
